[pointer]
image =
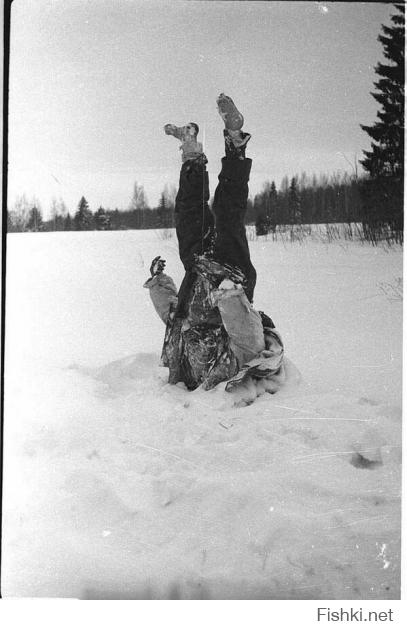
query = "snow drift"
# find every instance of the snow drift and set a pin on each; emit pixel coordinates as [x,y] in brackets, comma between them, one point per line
[119,485]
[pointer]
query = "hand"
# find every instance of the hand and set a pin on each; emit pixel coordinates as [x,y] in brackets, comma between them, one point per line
[157,266]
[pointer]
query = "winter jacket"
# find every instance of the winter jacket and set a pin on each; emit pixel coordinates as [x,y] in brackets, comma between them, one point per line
[222,338]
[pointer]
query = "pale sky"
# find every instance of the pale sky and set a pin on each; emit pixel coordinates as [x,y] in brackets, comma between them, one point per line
[92,82]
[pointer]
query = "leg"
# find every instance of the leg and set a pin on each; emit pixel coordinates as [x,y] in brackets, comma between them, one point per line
[194,223]
[230,201]
[193,219]
[229,207]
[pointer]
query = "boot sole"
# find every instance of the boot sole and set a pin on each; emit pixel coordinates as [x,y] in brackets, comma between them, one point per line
[232,118]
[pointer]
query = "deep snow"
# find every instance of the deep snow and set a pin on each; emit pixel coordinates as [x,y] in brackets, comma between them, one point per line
[118,485]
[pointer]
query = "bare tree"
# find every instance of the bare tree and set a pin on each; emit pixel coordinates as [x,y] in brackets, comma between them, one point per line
[170,193]
[353,166]
[138,204]
[18,216]
[54,212]
[139,198]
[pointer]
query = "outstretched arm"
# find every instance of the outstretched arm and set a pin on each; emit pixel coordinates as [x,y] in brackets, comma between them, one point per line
[163,291]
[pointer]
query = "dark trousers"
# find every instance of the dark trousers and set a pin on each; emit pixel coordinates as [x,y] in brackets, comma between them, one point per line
[197,228]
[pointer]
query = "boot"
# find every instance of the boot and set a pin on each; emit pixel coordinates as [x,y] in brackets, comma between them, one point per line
[190,147]
[231,116]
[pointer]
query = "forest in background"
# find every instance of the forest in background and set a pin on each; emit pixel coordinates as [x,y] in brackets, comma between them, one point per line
[303,199]
[374,200]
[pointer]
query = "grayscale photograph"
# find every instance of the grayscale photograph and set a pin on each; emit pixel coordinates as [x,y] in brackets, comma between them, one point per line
[203,281]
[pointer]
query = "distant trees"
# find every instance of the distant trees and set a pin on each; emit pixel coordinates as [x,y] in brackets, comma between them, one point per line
[68,222]
[266,206]
[17,216]
[262,225]
[272,208]
[294,205]
[102,219]
[139,199]
[34,223]
[138,204]
[166,206]
[300,200]
[306,200]
[162,212]
[382,191]
[24,216]
[58,212]
[83,219]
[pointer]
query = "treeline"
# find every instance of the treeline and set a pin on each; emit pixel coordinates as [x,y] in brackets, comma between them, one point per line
[84,219]
[27,216]
[303,199]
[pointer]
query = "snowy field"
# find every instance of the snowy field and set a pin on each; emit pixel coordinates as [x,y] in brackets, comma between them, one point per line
[118,485]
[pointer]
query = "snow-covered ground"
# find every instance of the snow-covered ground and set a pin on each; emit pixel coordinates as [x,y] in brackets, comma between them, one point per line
[118,485]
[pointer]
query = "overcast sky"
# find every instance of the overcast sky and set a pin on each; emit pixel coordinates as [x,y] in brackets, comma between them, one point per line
[92,82]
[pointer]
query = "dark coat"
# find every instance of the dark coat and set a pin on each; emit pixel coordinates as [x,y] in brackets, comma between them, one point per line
[197,348]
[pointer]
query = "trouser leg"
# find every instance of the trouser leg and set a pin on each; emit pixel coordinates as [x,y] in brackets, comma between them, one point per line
[194,223]
[229,208]
[194,220]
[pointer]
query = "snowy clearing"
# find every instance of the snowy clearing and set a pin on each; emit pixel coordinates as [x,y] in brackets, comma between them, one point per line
[118,485]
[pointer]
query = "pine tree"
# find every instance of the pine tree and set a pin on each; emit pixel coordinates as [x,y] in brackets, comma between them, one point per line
[262,226]
[68,223]
[162,212]
[170,195]
[102,220]
[83,219]
[386,156]
[115,219]
[34,223]
[294,203]
[272,209]
[266,209]
[260,209]
[383,190]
